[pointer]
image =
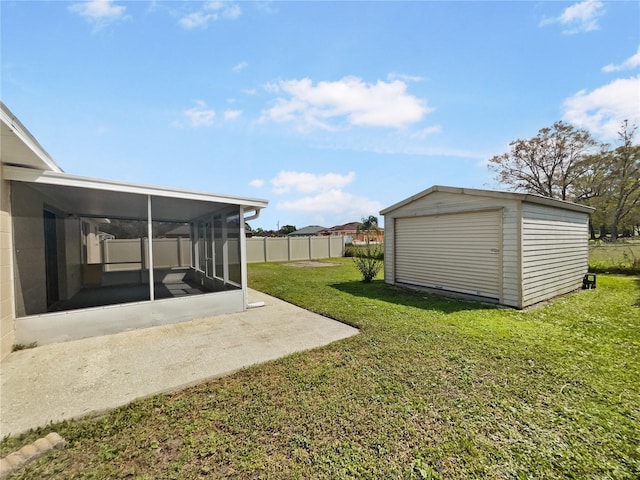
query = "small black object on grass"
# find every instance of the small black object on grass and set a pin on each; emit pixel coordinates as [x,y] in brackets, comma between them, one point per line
[589,281]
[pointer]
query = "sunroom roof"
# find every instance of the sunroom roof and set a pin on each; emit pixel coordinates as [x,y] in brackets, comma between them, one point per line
[93,197]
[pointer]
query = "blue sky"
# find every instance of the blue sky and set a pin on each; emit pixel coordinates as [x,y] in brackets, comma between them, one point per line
[330,110]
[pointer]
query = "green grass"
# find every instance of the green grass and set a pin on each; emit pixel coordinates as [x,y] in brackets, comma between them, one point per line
[430,388]
[620,257]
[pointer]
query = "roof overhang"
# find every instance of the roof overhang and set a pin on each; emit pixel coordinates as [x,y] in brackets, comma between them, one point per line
[19,147]
[523,197]
[94,197]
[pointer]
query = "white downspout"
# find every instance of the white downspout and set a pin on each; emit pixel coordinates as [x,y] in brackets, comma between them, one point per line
[252,217]
[243,255]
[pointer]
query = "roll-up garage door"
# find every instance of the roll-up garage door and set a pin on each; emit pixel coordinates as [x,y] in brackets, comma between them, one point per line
[460,252]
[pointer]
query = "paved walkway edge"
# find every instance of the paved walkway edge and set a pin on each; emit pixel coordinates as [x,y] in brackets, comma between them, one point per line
[27,454]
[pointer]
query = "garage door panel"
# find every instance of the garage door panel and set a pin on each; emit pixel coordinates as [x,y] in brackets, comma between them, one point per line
[454,282]
[459,252]
[460,265]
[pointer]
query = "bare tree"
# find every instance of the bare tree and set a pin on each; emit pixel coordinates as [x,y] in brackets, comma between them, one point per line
[548,164]
[622,185]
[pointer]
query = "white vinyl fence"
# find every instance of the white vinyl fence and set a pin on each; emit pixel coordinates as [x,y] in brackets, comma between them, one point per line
[132,254]
[285,249]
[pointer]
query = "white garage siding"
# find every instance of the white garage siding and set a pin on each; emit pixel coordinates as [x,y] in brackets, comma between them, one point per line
[449,200]
[542,253]
[459,252]
[554,251]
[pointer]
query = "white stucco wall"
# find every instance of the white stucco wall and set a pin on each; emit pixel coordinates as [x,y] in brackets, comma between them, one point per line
[7,312]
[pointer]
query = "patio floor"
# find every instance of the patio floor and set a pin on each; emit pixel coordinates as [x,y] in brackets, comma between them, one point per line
[66,380]
[100,296]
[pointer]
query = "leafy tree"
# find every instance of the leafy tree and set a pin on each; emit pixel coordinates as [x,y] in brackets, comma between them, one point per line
[287,229]
[548,164]
[367,226]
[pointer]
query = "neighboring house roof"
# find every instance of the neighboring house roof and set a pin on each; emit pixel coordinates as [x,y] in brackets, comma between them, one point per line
[524,197]
[347,227]
[308,230]
[19,147]
[181,231]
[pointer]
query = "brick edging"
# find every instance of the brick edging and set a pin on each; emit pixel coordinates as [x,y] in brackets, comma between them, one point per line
[27,454]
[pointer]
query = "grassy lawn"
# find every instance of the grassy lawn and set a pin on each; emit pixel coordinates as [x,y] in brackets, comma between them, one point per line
[620,257]
[431,388]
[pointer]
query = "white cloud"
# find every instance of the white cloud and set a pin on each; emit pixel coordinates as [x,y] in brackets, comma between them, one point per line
[425,132]
[210,12]
[99,12]
[266,7]
[231,11]
[257,183]
[333,201]
[602,110]
[324,194]
[383,104]
[580,17]
[196,19]
[629,64]
[239,67]
[310,182]
[200,115]
[404,77]
[232,114]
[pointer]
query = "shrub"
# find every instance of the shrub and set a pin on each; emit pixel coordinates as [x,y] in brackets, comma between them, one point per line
[368,260]
[360,251]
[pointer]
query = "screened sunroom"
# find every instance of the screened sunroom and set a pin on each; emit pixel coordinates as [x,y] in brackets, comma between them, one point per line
[93,256]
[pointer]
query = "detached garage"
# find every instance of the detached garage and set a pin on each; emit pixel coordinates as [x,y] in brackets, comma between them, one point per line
[509,248]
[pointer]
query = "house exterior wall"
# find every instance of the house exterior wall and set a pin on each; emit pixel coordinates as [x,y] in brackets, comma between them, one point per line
[73,256]
[30,292]
[554,251]
[93,248]
[29,267]
[439,202]
[7,298]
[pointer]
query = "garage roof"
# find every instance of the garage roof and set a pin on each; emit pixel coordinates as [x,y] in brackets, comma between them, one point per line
[523,197]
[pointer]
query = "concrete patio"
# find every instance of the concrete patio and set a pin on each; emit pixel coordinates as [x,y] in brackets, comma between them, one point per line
[67,380]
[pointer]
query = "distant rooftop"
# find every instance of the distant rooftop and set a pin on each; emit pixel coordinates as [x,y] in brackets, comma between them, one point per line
[309,230]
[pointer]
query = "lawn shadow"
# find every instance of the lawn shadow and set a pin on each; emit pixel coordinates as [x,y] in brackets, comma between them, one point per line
[378,290]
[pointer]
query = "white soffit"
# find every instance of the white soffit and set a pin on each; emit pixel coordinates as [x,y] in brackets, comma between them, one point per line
[63,179]
[107,198]
[19,147]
